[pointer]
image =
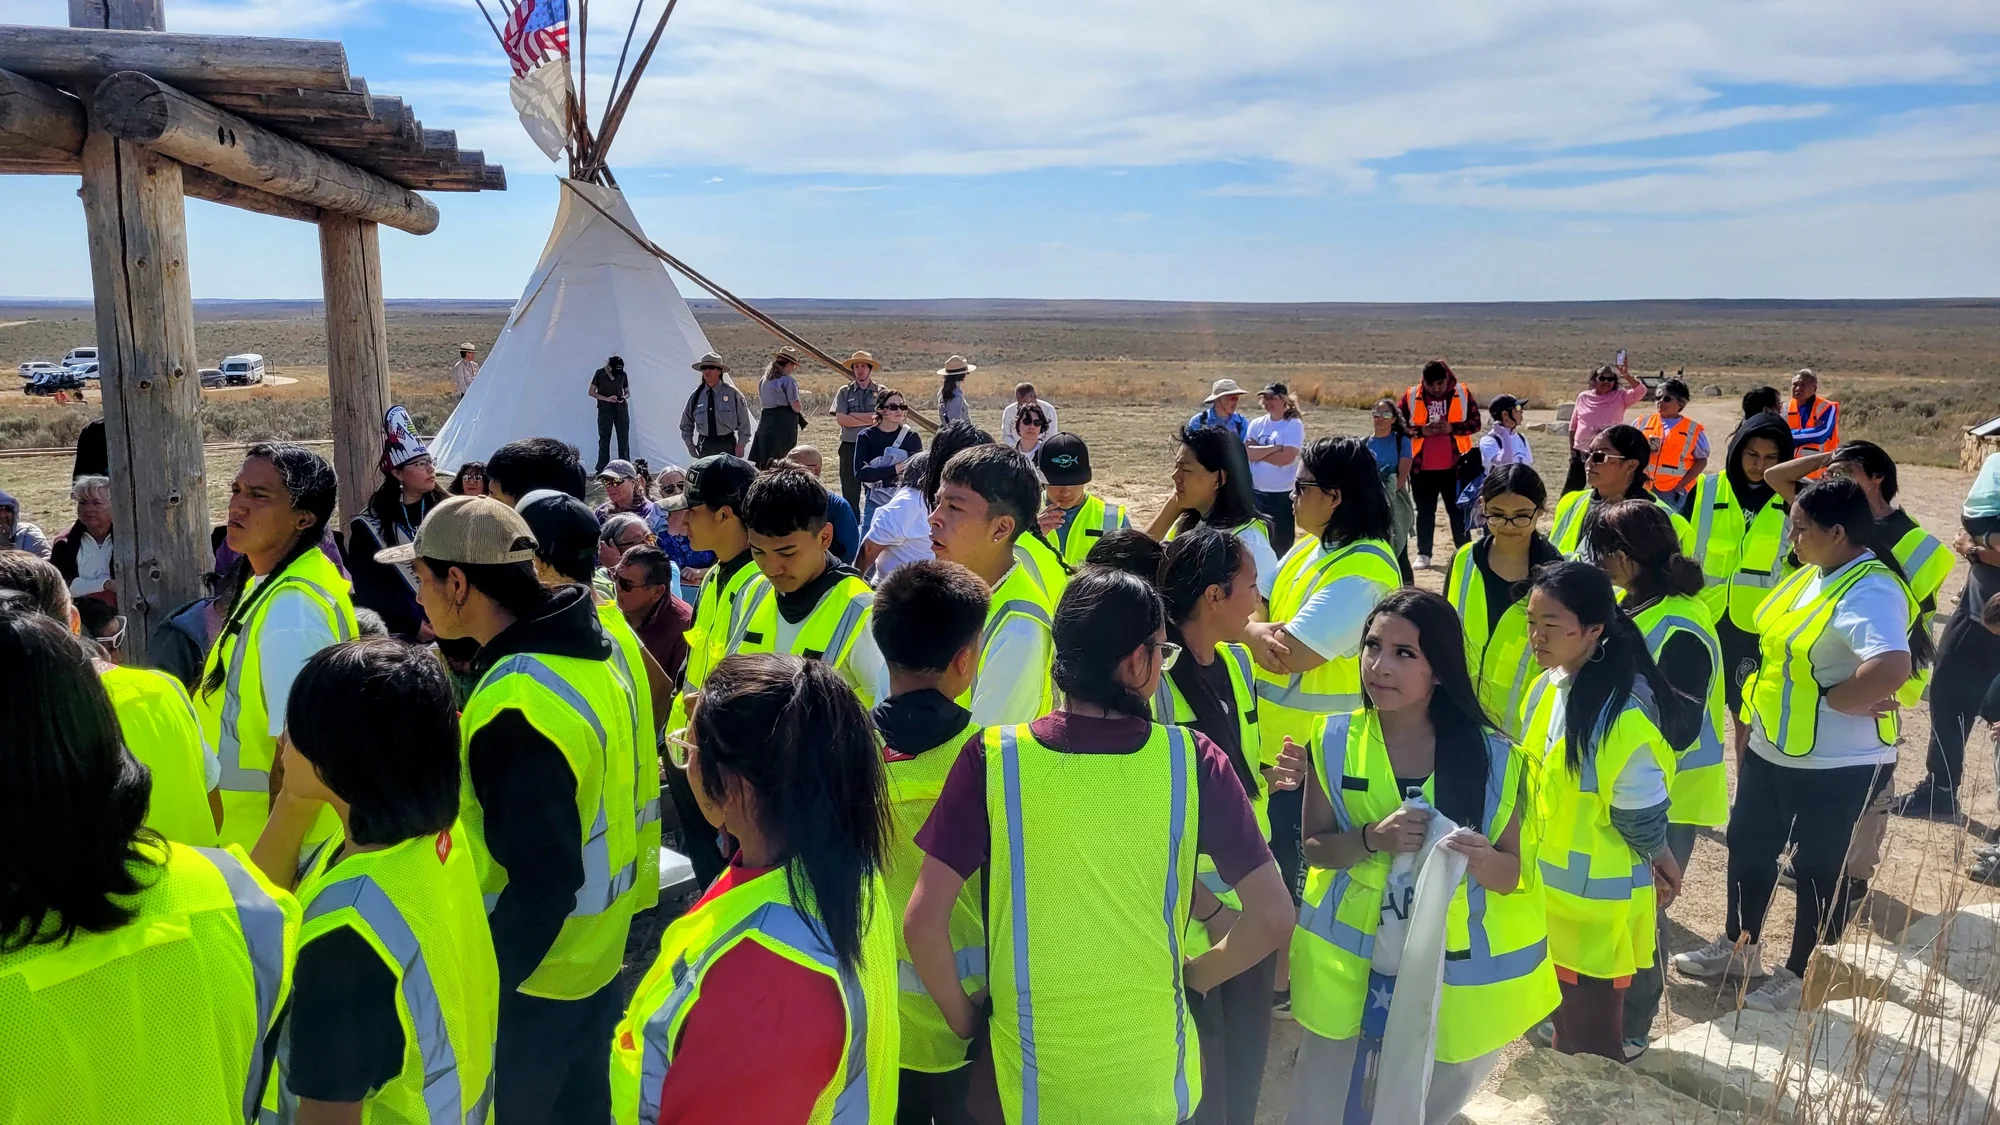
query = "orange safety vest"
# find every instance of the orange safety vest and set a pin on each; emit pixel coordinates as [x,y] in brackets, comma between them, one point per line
[1420,413]
[1819,412]
[1673,453]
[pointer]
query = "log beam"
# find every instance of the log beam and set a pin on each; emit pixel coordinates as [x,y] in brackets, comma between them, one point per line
[144,110]
[357,354]
[79,58]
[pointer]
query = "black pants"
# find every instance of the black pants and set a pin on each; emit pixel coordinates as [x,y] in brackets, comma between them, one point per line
[549,1062]
[1234,1022]
[1813,809]
[850,484]
[1277,507]
[1590,1018]
[698,836]
[613,416]
[1427,487]
[1574,481]
[720,443]
[936,1099]
[1964,689]
[1287,811]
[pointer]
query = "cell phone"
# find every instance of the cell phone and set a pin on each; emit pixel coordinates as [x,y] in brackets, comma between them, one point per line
[1620,361]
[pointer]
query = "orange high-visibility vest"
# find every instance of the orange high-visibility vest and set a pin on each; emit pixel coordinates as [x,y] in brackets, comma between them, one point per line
[1673,456]
[1821,408]
[1420,413]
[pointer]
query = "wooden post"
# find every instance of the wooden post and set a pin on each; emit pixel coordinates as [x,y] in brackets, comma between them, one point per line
[118,15]
[357,354]
[145,336]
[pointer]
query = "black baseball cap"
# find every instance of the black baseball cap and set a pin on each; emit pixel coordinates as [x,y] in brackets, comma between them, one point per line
[716,481]
[1064,460]
[565,528]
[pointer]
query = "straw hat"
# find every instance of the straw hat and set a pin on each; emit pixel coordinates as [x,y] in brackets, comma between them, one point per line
[1223,388]
[863,357]
[957,365]
[787,353]
[711,359]
[467,347]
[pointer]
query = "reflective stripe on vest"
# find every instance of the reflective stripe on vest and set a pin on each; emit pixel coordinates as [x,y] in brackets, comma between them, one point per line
[372,903]
[263,924]
[1010,764]
[1018,607]
[970,963]
[1420,411]
[844,629]
[1670,462]
[747,604]
[229,743]
[785,926]
[1290,694]
[1707,750]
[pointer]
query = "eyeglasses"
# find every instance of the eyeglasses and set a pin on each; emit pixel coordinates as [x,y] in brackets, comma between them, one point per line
[629,585]
[679,747]
[1301,485]
[888,406]
[1169,653]
[117,637]
[1599,457]
[674,489]
[1519,519]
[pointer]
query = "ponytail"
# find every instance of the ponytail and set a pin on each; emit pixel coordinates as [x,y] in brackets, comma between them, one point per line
[1202,558]
[1103,616]
[1621,667]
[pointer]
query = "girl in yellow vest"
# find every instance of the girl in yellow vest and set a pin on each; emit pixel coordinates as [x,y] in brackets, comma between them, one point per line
[1422,729]
[1085,825]
[1634,544]
[774,998]
[293,602]
[396,996]
[140,980]
[1841,638]
[1615,469]
[1593,721]
[1212,486]
[1488,586]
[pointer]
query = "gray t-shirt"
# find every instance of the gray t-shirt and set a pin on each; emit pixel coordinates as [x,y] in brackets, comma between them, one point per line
[778,390]
[855,399]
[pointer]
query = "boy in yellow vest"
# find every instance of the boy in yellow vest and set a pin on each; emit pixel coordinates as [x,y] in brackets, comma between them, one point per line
[820,608]
[987,498]
[1074,521]
[927,621]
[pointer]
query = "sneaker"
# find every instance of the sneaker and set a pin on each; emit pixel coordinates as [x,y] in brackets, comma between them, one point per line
[1634,1048]
[1985,866]
[1928,801]
[1721,960]
[1423,562]
[1780,992]
[1281,1003]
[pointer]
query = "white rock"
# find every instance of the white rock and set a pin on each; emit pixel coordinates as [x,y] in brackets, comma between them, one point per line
[1543,1087]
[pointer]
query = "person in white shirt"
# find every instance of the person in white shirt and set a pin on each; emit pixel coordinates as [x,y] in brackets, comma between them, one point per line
[1010,429]
[464,371]
[83,553]
[987,497]
[1212,486]
[1808,777]
[1503,444]
[1273,444]
[901,533]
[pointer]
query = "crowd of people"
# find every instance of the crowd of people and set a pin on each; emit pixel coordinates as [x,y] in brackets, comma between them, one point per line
[1005,805]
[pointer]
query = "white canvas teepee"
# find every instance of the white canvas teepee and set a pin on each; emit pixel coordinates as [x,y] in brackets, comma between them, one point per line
[595,293]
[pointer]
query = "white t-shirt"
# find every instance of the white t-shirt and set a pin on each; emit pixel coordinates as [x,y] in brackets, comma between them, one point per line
[1871,619]
[294,628]
[1331,621]
[903,529]
[1259,541]
[1010,430]
[1266,430]
[1499,446]
[1640,785]
[1012,671]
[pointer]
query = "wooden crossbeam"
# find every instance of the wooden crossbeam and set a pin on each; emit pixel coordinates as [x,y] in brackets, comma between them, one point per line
[79,58]
[147,111]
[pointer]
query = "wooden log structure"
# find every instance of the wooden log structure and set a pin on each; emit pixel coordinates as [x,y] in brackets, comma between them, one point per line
[144,110]
[80,58]
[357,354]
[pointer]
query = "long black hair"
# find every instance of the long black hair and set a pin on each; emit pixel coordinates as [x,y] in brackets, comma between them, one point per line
[1518,478]
[1130,550]
[1219,451]
[953,438]
[1642,530]
[1205,557]
[72,799]
[1620,665]
[1871,459]
[793,732]
[952,381]
[1104,614]
[470,468]
[1630,443]
[309,481]
[1838,502]
[386,503]
[1345,465]
[402,781]
[1462,726]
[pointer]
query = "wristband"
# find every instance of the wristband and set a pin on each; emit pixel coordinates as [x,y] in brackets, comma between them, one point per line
[1211,914]
[1370,848]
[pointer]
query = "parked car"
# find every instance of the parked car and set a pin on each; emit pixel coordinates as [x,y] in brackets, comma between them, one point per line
[213,377]
[241,370]
[88,370]
[49,382]
[34,366]
[80,355]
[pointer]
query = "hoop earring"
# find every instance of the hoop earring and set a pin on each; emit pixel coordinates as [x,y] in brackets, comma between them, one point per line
[1599,654]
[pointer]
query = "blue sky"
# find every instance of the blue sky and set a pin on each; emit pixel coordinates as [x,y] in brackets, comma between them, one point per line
[1172,149]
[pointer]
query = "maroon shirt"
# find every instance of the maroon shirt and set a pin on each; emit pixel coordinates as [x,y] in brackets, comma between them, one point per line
[958,835]
[664,633]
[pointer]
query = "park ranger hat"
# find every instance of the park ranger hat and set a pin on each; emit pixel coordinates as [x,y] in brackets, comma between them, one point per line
[712,359]
[470,530]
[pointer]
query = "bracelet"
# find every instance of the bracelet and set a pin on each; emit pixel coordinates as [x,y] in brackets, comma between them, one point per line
[1370,848]
[1212,913]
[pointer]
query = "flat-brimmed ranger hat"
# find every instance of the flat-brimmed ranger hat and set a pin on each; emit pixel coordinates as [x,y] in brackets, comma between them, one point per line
[1223,388]
[471,531]
[863,357]
[957,365]
[787,353]
[712,359]
[467,347]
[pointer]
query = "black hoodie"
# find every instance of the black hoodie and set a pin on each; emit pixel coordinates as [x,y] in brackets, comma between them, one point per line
[528,792]
[1753,497]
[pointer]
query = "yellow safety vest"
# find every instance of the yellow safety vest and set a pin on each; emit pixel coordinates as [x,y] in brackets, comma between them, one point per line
[164,1018]
[1783,695]
[1170,707]
[1700,792]
[1294,704]
[1599,892]
[417,906]
[583,707]
[629,657]
[1741,559]
[1042,563]
[1499,659]
[1019,594]
[1088,891]
[1926,564]
[1094,519]
[235,718]
[915,783]
[1573,511]
[761,910]
[1498,979]
[162,730]
[721,618]
[828,633]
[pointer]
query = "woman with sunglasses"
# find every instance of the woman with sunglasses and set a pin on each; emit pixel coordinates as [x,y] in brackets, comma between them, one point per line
[1487,585]
[1615,469]
[1602,403]
[1031,428]
[470,480]
[1421,728]
[1085,956]
[776,992]
[880,451]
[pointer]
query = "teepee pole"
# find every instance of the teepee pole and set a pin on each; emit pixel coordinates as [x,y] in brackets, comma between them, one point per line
[623,50]
[737,303]
[614,114]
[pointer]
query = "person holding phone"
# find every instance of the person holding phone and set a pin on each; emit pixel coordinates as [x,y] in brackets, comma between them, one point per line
[1602,403]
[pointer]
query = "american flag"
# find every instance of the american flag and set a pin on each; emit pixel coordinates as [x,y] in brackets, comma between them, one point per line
[537,32]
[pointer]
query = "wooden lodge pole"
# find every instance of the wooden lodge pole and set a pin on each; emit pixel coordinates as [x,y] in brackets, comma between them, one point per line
[357,354]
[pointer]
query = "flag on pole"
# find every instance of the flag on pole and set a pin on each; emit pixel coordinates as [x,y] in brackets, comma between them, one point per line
[536,40]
